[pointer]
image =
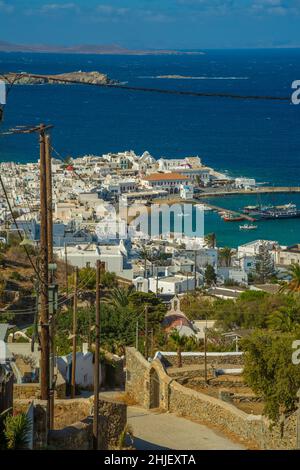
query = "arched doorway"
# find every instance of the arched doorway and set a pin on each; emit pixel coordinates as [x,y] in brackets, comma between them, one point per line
[154,389]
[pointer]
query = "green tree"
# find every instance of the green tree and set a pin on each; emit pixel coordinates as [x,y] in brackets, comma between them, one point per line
[119,297]
[179,343]
[294,284]
[144,255]
[210,240]
[264,264]
[269,371]
[284,319]
[225,256]
[210,276]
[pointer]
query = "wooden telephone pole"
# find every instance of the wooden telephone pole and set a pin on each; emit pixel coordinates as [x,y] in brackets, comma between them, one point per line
[74,336]
[146,333]
[97,358]
[51,287]
[45,254]
[44,273]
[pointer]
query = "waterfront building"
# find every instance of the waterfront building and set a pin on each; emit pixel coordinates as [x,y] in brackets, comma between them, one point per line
[287,256]
[169,181]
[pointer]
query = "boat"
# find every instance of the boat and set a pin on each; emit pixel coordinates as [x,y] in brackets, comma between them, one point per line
[249,209]
[248,227]
[287,211]
[183,215]
[229,217]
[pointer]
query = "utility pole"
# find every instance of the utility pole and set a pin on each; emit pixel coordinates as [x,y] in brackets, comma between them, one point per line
[74,336]
[195,270]
[66,270]
[137,336]
[205,353]
[152,343]
[44,273]
[52,288]
[146,333]
[48,164]
[97,359]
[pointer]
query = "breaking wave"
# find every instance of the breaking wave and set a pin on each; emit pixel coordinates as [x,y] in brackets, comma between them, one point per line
[182,77]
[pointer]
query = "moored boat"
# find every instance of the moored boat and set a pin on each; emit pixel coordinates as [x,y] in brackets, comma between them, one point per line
[230,217]
[248,227]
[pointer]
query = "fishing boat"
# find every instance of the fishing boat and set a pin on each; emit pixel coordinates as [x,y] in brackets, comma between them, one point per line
[229,217]
[248,227]
[286,211]
[249,209]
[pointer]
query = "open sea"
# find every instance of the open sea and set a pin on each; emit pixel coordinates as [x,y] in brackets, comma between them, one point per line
[260,139]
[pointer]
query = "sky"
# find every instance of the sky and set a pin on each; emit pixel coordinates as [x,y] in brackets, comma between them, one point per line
[158,24]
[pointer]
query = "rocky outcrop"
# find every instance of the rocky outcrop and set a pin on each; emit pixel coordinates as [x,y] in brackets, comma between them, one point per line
[95,78]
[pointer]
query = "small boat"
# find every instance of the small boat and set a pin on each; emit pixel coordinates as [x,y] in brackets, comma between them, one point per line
[249,209]
[229,217]
[248,227]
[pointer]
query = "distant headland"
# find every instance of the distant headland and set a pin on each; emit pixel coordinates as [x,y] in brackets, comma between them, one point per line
[88,49]
[94,78]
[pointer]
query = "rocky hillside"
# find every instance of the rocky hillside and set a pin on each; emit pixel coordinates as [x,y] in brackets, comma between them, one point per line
[65,78]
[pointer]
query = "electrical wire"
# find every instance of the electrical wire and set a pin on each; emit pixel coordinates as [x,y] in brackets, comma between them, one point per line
[161,90]
[60,302]
[17,227]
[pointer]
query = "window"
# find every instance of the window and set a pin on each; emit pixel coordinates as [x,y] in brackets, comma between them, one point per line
[85,378]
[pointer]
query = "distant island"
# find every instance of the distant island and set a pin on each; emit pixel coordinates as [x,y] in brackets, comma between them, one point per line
[87,49]
[177,77]
[63,79]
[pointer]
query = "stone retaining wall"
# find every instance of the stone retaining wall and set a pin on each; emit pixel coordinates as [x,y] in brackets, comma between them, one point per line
[74,423]
[198,359]
[33,390]
[252,430]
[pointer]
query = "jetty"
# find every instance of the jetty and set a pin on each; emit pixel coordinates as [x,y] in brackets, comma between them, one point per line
[231,212]
[258,190]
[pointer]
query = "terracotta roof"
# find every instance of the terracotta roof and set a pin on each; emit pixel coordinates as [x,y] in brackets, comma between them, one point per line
[165,176]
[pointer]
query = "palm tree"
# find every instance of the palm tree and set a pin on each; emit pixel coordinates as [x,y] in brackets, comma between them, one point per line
[294,284]
[225,256]
[144,254]
[283,320]
[210,240]
[118,297]
[179,343]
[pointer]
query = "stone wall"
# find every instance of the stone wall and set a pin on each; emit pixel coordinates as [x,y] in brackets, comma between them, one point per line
[74,423]
[137,380]
[248,428]
[33,390]
[215,359]
[254,431]
[78,435]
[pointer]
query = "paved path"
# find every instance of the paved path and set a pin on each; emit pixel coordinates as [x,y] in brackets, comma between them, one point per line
[155,431]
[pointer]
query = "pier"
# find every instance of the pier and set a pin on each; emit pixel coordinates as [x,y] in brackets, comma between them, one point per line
[231,212]
[260,190]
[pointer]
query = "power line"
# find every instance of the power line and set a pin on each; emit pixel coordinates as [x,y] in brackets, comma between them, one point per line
[61,301]
[162,90]
[17,227]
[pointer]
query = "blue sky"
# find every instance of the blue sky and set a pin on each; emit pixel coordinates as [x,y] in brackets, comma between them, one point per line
[181,24]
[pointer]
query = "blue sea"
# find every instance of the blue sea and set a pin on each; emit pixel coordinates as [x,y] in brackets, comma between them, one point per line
[243,137]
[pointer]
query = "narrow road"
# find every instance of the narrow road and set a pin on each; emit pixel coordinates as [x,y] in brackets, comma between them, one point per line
[154,430]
